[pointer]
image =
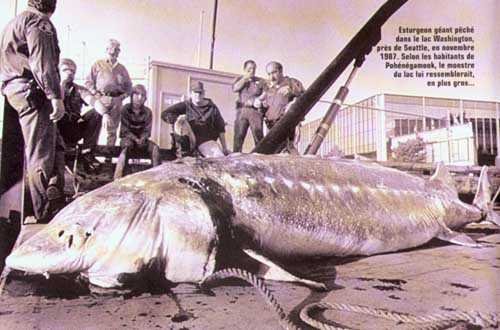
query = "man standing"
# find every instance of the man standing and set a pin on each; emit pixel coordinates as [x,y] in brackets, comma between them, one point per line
[248,87]
[204,122]
[135,130]
[74,126]
[279,93]
[110,84]
[29,58]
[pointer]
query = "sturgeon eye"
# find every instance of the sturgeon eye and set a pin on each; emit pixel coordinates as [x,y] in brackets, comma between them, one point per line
[61,233]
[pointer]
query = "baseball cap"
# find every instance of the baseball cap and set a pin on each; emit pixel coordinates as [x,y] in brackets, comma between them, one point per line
[197,87]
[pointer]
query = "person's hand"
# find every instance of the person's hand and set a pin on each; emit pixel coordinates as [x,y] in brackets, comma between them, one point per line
[106,99]
[261,101]
[58,110]
[141,141]
[285,91]
[99,107]
[257,103]
[106,121]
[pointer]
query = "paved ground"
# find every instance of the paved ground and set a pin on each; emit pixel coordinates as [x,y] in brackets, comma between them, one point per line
[435,278]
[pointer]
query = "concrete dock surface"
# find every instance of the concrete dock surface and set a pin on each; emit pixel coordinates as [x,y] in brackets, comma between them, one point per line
[435,278]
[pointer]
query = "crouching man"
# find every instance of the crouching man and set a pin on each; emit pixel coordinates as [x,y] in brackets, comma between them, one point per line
[135,130]
[74,126]
[202,123]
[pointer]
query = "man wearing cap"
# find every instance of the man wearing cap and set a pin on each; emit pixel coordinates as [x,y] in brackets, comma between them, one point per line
[279,92]
[204,120]
[249,88]
[135,130]
[29,58]
[74,126]
[110,84]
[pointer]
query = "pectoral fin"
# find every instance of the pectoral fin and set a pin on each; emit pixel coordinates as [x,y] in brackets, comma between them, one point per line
[458,238]
[276,273]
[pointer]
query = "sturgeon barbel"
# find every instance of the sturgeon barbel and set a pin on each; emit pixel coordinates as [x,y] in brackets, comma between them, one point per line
[275,206]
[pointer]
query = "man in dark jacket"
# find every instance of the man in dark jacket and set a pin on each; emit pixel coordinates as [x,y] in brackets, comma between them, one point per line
[203,119]
[74,126]
[135,130]
[29,57]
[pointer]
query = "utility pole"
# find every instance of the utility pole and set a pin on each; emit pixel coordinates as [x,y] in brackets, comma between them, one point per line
[84,49]
[200,37]
[214,22]
[69,42]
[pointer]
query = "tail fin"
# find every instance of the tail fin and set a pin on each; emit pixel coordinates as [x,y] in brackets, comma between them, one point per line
[483,200]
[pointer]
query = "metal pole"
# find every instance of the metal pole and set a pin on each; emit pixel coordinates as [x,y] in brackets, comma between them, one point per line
[69,38]
[327,121]
[214,23]
[423,114]
[491,135]
[15,8]
[476,129]
[84,48]
[483,127]
[200,37]
[359,46]
[497,117]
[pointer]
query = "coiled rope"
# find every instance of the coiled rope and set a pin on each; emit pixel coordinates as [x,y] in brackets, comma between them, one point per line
[259,285]
[430,322]
[427,322]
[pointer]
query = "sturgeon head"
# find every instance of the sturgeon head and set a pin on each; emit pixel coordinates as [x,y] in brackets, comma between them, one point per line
[124,226]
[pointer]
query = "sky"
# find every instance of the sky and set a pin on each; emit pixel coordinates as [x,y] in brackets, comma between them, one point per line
[303,35]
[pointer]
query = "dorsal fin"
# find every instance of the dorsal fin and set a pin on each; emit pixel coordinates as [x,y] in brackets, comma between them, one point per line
[443,175]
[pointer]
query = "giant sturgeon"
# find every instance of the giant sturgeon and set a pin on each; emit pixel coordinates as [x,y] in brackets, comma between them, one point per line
[274,207]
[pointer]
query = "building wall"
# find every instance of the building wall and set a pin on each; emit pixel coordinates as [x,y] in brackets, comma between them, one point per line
[454,145]
[169,83]
[366,127]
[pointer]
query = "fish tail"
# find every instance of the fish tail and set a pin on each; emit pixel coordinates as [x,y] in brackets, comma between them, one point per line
[493,217]
[483,199]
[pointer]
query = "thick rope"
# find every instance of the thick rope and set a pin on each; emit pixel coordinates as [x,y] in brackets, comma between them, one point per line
[428,322]
[259,285]
[431,321]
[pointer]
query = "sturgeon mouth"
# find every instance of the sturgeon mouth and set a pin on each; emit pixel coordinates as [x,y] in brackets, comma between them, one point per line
[51,251]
